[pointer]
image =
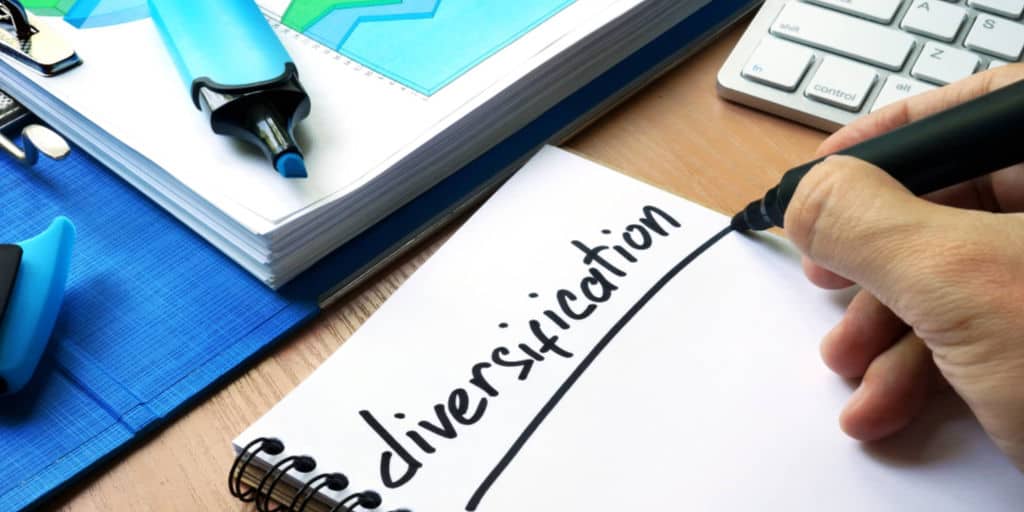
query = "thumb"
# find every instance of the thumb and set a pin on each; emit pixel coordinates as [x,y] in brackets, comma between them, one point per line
[858,222]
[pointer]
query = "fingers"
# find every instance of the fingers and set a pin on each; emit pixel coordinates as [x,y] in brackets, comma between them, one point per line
[920,106]
[854,220]
[892,393]
[824,278]
[867,330]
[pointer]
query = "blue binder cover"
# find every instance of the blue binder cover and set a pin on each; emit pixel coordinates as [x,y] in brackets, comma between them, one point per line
[154,317]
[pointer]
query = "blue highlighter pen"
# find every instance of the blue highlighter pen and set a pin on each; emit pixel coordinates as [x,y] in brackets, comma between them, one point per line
[239,73]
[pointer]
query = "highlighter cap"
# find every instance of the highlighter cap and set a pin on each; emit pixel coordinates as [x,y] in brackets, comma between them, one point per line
[225,45]
[238,72]
[264,117]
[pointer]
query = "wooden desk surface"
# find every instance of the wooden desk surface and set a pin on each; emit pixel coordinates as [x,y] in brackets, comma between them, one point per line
[677,134]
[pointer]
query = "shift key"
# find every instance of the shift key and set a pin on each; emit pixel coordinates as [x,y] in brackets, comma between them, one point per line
[848,36]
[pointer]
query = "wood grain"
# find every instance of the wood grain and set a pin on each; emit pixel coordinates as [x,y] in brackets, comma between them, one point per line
[677,134]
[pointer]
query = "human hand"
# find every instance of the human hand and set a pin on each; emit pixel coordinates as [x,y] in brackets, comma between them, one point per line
[942,278]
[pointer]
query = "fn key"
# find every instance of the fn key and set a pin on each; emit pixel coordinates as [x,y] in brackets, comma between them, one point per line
[778,64]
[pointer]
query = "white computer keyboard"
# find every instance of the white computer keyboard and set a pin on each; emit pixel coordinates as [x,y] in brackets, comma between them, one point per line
[827,62]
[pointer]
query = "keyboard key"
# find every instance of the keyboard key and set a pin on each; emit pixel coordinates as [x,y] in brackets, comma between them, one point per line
[996,63]
[899,88]
[842,84]
[845,35]
[778,64]
[943,64]
[1011,8]
[934,18]
[996,36]
[881,11]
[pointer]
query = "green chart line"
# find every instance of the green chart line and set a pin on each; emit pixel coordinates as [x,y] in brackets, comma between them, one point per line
[302,14]
[49,7]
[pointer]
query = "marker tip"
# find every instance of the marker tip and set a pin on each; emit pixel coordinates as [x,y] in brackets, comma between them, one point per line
[291,165]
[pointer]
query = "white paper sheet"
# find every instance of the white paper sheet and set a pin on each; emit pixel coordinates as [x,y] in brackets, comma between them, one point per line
[360,124]
[710,395]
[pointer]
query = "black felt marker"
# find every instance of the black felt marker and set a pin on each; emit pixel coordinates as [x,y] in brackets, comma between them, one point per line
[970,140]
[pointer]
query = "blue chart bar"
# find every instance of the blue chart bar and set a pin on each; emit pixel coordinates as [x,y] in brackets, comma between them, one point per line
[101,13]
[427,44]
[421,44]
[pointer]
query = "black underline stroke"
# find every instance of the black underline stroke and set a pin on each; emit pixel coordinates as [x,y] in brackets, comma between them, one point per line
[492,477]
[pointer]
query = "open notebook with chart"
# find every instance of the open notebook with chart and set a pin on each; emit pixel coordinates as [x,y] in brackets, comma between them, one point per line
[404,92]
[575,346]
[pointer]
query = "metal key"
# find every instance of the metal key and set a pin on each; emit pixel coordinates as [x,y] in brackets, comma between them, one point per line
[842,84]
[996,36]
[778,64]
[839,33]
[881,11]
[934,18]
[898,88]
[941,64]
[1010,8]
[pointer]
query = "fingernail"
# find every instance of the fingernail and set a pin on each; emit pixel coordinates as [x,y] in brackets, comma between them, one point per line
[848,420]
[826,351]
[827,338]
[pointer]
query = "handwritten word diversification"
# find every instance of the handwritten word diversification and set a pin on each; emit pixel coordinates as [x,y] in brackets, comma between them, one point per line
[604,266]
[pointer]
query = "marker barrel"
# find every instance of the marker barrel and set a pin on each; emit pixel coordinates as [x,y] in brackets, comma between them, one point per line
[965,142]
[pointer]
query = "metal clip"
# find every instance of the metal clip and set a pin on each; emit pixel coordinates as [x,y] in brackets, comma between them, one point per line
[38,139]
[33,43]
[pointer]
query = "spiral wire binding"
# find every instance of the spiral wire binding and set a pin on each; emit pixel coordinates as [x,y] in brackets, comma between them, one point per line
[263,492]
[242,461]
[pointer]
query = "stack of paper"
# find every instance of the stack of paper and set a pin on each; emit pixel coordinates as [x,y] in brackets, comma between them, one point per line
[404,94]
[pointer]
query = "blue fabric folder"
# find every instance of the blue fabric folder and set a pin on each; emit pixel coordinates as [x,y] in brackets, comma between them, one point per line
[154,317]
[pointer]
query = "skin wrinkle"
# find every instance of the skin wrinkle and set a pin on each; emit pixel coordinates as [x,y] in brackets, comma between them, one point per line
[982,393]
[988,280]
[808,209]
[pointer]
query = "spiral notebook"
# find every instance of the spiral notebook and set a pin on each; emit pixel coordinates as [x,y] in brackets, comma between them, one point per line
[579,345]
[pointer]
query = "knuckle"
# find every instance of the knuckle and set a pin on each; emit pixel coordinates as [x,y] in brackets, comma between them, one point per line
[987,82]
[819,203]
[1010,74]
[809,203]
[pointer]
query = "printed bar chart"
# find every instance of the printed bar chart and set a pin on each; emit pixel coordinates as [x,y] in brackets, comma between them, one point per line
[423,45]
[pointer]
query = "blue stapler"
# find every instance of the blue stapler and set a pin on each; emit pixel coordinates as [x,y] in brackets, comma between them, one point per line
[33,275]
